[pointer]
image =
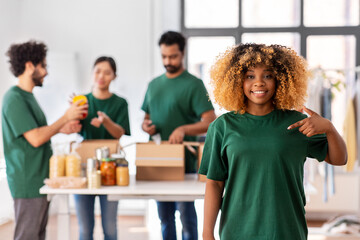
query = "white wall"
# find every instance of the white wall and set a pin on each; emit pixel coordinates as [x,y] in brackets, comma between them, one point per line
[166,16]
[8,24]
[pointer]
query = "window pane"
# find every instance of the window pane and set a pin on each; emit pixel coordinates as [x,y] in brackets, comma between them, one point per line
[331,52]
[270,13]
[291,40]
[331,12]
[202,53]
[211,13]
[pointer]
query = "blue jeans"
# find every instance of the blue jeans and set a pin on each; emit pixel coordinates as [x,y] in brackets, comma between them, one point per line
[85,213]
[166,211]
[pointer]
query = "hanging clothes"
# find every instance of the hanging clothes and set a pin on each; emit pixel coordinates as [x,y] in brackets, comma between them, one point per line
[313,102]
[329,185]
[350,135]
[357,114]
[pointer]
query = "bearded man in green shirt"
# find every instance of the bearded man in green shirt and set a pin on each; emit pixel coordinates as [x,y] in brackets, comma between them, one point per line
[26,138]
[177,107]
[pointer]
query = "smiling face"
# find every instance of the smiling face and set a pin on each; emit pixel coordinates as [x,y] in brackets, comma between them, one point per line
[103,74]
[259,88]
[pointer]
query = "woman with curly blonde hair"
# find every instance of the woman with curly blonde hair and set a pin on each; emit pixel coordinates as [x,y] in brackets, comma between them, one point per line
[254,155]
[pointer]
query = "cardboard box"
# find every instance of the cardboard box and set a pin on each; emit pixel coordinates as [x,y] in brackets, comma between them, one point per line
[201,178]
[87,147]
[160,162]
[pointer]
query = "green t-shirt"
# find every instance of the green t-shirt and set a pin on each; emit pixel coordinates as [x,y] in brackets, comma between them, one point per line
[26,166]
[172,102]
[117,110]
[262,165]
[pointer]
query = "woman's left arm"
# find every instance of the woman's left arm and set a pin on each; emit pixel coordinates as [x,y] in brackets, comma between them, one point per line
[315,124]
[337,153]
[113,128]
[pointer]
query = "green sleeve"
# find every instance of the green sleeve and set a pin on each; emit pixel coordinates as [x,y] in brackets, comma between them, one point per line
[318,147]
[145,105]
[123,118]
[19,117]
[214,162]
[200,99]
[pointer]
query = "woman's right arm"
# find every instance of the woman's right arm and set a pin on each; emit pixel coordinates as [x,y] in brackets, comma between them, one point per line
[213,197]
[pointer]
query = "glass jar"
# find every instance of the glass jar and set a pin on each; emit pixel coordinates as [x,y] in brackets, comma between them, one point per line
[108,171]
[119,157]
[122,174]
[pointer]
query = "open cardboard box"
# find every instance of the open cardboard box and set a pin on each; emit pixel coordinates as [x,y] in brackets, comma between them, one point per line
[87,147]
[160,162]
[163,162]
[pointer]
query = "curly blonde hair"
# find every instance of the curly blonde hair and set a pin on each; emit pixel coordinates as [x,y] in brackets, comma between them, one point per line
[290,71]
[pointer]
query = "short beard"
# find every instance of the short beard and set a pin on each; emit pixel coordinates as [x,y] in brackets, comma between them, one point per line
[172,69]
[36,78]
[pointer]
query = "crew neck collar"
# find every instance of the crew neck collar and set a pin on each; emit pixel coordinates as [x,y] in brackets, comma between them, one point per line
[100,99]
[260,117]
[176,76]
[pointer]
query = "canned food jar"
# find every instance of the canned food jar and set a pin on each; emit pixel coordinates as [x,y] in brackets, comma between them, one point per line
[119,157]
[108,172]
[91,165]
[122,175]
[94,179]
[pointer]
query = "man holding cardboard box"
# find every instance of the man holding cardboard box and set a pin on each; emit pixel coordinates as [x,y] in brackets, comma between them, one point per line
[177,107]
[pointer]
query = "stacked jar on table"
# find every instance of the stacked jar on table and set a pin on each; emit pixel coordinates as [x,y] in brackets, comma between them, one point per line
[114,172]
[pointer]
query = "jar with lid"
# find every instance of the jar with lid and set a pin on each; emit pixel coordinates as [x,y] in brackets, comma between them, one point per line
[122,173]
[108,171]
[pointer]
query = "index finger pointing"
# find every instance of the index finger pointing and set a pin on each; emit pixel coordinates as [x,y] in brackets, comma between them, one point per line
[297,124]
[308,111]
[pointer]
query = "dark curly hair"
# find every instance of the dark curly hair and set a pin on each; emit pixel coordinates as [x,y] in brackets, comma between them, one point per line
[171,37]
[19,54]
[290,71]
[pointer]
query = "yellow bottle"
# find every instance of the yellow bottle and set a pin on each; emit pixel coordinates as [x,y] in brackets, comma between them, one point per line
[85,101]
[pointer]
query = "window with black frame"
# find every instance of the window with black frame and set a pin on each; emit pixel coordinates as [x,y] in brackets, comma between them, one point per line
[325,32]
